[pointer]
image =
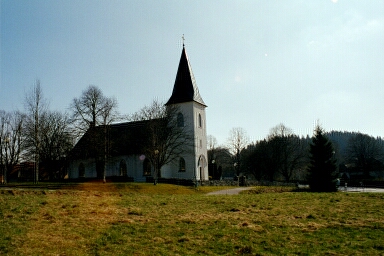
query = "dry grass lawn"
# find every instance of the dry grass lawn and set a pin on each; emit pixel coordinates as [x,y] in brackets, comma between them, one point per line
[142,219]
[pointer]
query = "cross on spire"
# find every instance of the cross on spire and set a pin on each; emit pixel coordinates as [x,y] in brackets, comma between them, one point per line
[183,40]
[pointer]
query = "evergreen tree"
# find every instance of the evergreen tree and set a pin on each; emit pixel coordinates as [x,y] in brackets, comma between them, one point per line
[322,171]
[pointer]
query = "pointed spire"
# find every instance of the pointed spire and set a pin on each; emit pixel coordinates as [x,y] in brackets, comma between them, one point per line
[185,88]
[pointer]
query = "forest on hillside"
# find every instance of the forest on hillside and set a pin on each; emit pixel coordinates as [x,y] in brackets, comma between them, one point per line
[284,156]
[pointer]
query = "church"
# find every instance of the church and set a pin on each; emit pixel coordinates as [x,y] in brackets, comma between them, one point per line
[127,160]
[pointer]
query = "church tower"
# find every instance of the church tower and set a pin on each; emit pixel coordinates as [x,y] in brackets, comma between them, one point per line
[187,98]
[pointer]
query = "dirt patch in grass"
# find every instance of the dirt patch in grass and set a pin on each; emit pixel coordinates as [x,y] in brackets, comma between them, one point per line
[268,189]
[142,188]
[67,220]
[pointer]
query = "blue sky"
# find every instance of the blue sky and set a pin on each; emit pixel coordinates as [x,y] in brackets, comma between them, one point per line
[256,63]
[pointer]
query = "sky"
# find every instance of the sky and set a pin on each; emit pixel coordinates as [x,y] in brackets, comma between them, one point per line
[256,63]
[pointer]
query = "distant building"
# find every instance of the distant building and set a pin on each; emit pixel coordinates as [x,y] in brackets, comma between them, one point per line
[20,172]
[126,157]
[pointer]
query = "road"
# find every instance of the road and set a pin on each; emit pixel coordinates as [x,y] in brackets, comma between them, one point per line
[361,189]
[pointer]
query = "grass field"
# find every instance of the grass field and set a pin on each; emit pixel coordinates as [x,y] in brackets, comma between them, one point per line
[142,219]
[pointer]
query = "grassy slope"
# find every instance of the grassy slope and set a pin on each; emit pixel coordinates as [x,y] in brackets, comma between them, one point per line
[142,219]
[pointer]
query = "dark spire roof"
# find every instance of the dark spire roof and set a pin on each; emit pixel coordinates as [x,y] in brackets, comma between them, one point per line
[185,88]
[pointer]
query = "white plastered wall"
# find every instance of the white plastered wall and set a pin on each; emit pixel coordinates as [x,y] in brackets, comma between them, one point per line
[191,112]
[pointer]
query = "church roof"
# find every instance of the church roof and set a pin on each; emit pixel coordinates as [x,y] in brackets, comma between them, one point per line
[123,139]
[185,88]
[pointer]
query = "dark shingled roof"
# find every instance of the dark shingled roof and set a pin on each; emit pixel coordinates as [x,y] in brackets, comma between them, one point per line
[185,88]
[124,139]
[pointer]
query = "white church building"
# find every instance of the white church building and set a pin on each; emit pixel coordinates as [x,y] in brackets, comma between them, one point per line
[127,160]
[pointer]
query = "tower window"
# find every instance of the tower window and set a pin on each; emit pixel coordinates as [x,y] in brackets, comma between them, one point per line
[200,121]
[181,165]
[180,120]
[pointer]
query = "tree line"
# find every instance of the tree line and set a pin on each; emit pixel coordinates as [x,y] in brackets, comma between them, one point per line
[46,138]
[284,156]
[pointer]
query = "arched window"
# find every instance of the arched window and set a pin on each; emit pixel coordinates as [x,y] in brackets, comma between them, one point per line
[81,170]
[200,121]
[123,168]
[181,165]
[180,120]
[147,168]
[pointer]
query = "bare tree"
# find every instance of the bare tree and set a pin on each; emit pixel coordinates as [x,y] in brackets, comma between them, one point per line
[10,141]
[366,153]
[108,115]
[287,151]
[36,108]
[237,141]
[92,109]
[212,164]
[256,159]
[87,110]
[212,144]
[282,153]
[156,110]
[280,130]
[166,137]
[56,142]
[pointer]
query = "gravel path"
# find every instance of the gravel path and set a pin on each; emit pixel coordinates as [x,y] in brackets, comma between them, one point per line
[236,191]
[232,191]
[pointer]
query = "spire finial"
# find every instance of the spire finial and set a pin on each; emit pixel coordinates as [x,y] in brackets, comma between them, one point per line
[183,40]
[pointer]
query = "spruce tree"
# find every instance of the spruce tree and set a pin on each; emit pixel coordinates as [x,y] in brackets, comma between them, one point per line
[322,171]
